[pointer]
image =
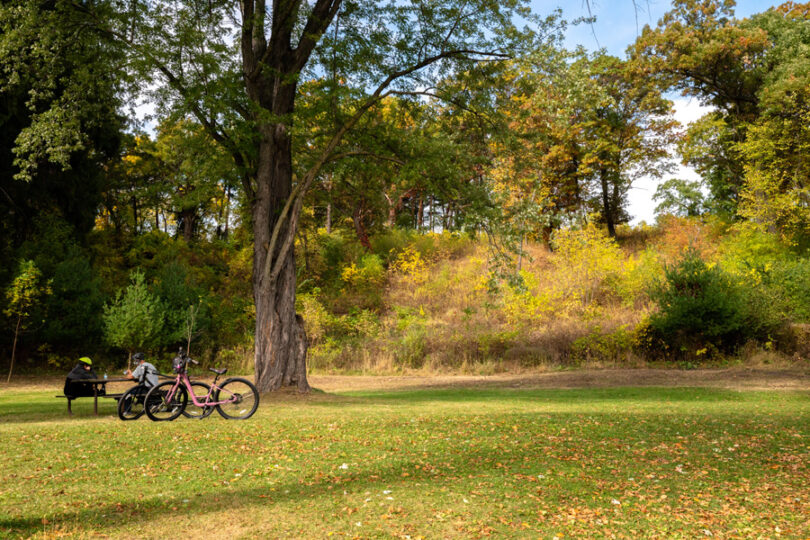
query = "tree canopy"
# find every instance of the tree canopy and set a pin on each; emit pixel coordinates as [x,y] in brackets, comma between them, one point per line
[290,144]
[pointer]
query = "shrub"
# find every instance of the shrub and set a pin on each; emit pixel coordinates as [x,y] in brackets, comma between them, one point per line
[368,274]
[411,346]
[317,319]
[178,293]
[324,355]
[586,261]
[134,320]
[388,244]
[599,346]
[641,272]
[333,251]
[679,235]
[524,303]
[411,265]
[791,281]
[701,310]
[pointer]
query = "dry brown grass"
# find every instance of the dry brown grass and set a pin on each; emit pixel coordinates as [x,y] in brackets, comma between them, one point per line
[579,307]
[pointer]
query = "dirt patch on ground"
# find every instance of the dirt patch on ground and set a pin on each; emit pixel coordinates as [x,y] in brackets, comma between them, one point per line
[732,378]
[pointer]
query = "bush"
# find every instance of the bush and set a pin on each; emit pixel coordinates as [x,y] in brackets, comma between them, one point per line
[701,311]
[411,265]
[333,251]
[178,293]
[680,235]
[587,262]
[598,346]
[525,304]
[388,244]
[134,320]
[369,274]
[317,319]
[791,281]
[641,271]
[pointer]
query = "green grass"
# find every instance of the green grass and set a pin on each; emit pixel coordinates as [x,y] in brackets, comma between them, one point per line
[640,462]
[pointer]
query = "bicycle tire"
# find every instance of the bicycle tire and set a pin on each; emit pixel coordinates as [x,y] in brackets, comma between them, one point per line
[193,411]
[246,402]
[130,405]
[159,409]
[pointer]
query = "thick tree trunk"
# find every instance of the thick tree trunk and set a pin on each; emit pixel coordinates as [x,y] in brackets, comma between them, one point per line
[271,68]
[188,219]
[280,341]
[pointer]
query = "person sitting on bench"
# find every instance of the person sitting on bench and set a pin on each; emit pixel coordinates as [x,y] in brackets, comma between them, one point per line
[74,387]
[145,373]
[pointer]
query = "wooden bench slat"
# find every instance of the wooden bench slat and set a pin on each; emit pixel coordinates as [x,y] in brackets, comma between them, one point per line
[115,396]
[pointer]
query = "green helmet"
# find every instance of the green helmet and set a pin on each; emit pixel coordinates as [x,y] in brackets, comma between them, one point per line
[86,360]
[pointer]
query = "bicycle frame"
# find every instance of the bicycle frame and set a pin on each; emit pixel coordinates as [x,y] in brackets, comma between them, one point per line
[182,378]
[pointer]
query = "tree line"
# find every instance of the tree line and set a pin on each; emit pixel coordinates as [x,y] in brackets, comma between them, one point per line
[272,122]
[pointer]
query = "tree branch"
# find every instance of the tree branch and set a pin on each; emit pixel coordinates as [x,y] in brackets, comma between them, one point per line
[294,201]
[337,157]
[319,20]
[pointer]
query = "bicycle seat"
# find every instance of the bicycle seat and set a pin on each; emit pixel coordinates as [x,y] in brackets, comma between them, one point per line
[222,371]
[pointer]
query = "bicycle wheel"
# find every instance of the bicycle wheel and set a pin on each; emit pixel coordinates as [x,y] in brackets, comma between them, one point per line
[241,396]
[201,390]
[130,405]
[161,406]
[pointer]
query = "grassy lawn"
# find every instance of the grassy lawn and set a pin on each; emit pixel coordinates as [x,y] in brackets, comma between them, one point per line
[435,463]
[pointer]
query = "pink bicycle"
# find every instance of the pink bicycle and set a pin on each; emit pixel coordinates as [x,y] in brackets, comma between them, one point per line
[235,399]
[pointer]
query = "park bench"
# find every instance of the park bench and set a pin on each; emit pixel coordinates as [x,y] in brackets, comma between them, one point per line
[95,402]
[97,384]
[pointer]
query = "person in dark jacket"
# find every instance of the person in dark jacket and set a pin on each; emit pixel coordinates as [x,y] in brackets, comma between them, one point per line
[74,387]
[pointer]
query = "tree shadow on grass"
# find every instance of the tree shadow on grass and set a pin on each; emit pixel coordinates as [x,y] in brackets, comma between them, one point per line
[20,410]
[490,459]
[544,444]
[43,407]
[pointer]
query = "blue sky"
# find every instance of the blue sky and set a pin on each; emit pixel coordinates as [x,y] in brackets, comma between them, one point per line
[615,29]
[615,25]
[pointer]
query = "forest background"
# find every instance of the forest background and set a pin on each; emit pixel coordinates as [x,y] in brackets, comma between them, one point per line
[478,223]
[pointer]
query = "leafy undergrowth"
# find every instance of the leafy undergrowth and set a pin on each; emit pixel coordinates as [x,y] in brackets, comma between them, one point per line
[436,463]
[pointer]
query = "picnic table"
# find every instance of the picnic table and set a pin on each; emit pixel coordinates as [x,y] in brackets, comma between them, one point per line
[98,385]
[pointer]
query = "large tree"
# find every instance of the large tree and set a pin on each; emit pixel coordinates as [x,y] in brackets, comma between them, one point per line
[740,67]
[237,68]
[626,135]
[59,117]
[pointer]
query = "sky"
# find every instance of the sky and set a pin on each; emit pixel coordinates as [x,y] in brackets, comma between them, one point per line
[615,29]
